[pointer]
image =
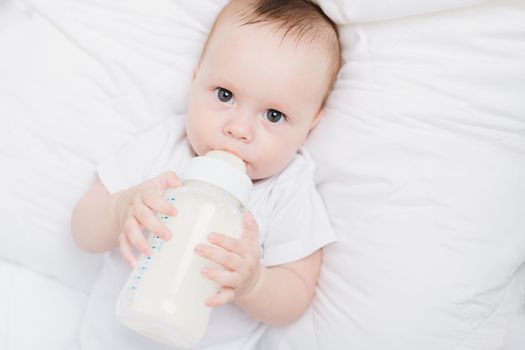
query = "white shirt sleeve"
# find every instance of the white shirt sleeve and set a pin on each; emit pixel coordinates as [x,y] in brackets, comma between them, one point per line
[145,156]
[298,223]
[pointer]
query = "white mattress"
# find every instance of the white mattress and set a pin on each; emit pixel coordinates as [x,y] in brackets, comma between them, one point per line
[421,164]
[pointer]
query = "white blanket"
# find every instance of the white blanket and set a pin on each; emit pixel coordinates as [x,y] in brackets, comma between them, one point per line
[421,164]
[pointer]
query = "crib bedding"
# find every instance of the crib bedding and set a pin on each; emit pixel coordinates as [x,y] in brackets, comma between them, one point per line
[421,159]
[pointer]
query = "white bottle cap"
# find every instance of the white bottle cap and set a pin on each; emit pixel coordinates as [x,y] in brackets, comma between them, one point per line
[222,169]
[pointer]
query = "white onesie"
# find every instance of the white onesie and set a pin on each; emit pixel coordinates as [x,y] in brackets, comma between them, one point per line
[292,220]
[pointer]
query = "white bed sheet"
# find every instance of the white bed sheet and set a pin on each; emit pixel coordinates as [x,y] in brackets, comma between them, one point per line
[421,170]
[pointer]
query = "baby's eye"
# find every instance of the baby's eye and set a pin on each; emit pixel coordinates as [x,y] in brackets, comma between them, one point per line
[225,96]
[274,116]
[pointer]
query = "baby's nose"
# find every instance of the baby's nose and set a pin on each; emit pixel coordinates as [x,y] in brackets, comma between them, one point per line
[240,128]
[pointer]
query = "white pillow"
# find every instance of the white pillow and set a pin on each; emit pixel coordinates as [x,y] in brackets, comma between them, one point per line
[355,11]
[421,165]
[429,233]
[37,312]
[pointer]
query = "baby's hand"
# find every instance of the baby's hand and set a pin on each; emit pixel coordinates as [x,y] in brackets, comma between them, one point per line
[241,259]
[135,211]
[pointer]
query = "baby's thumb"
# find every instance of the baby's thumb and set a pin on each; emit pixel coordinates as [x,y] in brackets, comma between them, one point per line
[251,229]
[169,179]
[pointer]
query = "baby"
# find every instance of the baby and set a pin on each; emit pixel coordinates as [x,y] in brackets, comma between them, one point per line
[257,91]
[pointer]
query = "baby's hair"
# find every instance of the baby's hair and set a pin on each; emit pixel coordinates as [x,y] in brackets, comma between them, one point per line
[301,19]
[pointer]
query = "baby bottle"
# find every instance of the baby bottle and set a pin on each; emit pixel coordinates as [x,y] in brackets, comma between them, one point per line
[163,298]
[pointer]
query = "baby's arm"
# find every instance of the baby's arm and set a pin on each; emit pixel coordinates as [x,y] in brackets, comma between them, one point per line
[277,295]
[102,220]
[94,227]
[283,292]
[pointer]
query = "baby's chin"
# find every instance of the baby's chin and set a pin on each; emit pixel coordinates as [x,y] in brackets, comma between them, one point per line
[253,174]
[257,175]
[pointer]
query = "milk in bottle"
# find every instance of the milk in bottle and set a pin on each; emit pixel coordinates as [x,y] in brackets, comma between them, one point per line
[163,298]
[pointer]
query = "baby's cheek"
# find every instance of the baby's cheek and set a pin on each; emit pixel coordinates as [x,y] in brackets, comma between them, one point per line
[270,166]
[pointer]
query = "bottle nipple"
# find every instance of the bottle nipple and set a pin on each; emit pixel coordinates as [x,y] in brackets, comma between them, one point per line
[229,158]
[222,169]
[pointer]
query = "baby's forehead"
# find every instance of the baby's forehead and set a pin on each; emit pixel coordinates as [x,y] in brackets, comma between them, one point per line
[305,27]
[285,27]
[233,40]
[301,39]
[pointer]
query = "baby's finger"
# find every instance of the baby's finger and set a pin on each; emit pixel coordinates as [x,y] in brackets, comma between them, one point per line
[126,251]
[228,243]
[219,255]
[168,179]
[251,228]
[159,204]
[151,222]
[226,278]
[135,234]
[224,296]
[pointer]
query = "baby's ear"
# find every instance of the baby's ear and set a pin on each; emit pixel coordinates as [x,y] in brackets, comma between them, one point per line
[317,118]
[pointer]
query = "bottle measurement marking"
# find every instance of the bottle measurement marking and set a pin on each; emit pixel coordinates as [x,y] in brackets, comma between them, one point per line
[156,246]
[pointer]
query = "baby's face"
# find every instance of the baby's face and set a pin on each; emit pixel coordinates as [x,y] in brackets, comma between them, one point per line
[256,95]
